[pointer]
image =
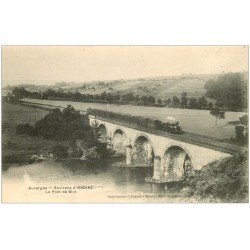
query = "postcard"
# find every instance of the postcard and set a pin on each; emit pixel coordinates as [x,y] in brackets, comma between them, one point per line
[124,124]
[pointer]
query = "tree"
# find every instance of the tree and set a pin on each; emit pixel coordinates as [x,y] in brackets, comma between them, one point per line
[176,101]
[202,102]
[69,114]
[12,99]
[25,129]
[159,101]
[144,99]
[104,96]
[129,97]
[20,92]
[241,130]
[64,125]
[109,98]
[192,103]
[49,94]
[184,99]
[210,105]
[229,90]
[116,98]
[77,96]
[244,120]
[60,151]
[168,101]
[150,100]
[218,113]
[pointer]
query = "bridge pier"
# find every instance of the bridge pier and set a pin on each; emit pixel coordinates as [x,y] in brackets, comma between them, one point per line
[149,152]
[128,155]
[157,168]
[109,142]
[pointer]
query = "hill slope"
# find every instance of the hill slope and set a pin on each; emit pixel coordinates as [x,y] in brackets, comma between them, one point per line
[159,87]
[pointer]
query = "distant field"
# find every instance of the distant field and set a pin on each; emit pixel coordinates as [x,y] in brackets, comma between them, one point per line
[166,87]
[159,87]
[13,114]
[193,121]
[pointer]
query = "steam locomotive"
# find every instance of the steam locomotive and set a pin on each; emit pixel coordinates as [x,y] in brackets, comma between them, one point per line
[170,127]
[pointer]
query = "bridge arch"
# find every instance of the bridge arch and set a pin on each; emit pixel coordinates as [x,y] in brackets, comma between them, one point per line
[180,145]
[176,160]
[102,132]
[117,128]
[143,151]
[142,135]
[119,139]
[101,126]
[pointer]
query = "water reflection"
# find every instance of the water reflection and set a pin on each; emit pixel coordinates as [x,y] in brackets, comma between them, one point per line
[103,176]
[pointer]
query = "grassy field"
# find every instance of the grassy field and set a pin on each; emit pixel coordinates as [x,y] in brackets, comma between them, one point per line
[20,148]
[160,87]
[193,121]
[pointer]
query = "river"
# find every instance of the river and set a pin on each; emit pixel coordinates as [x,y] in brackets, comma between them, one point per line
[83,182]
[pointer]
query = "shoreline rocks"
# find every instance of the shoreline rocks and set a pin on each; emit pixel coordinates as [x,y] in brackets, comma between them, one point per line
[124,165]
[152,180]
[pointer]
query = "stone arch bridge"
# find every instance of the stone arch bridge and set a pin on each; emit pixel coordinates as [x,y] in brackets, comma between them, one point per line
[169,157]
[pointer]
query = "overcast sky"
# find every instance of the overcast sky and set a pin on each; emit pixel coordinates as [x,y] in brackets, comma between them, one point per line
[44,64]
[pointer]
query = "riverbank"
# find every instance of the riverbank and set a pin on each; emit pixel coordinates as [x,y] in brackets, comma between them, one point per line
[20,149]
[221,181]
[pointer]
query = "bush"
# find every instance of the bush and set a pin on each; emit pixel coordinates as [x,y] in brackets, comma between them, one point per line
[25,129]
[90,154]
[225,180]
[64,125]
[244,120]
[87,150]
[60,151]
[77,129]
[239,129]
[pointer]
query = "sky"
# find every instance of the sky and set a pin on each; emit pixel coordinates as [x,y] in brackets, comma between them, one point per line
[50,64]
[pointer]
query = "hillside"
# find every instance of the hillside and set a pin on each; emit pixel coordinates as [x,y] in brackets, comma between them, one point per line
[221,181]
[159,87]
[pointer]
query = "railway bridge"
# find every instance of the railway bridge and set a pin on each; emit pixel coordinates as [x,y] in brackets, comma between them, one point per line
[169,155]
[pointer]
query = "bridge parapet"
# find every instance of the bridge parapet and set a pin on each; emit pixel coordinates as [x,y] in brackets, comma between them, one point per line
[171,127]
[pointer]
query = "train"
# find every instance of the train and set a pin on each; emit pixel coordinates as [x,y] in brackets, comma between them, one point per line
[170,127]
